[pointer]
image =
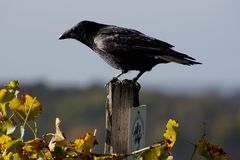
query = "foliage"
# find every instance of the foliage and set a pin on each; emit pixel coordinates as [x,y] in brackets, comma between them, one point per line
[209,150]
[23,112]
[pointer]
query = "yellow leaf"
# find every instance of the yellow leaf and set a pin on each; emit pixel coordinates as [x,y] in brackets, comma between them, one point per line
[155,152]
[14,84]
[18,156]
[4,139]
[210,151]
[9,92]
[33,147]
[13,145]
[103,157]
[48,154]
[15,103]
[6,95]
[9,156]
[85,144]
[170,134]
[169,158]
[27,106]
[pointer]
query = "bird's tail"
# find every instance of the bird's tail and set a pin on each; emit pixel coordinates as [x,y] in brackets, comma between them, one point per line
[177,57]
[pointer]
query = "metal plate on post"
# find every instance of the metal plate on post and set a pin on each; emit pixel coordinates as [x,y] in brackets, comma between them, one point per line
[137,127]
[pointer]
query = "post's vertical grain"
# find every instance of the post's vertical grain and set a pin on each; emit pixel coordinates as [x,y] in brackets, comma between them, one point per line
[122,95]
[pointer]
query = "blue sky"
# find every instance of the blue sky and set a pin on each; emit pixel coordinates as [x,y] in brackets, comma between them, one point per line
[207,30]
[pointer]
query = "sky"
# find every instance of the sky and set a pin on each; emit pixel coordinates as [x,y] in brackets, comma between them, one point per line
[207,30]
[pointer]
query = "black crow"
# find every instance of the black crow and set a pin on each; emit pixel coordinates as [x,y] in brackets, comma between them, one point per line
[126,49]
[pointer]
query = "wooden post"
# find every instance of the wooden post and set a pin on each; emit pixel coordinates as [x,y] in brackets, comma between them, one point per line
[122,96]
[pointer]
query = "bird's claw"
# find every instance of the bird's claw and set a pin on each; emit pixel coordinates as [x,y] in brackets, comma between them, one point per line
[126,81]
[138,85]
[114,79]
[135,80]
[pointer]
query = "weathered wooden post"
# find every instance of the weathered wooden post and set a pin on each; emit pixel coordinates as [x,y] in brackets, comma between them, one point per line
[125,119]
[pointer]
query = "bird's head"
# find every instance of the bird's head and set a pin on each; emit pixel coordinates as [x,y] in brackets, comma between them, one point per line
[84,32]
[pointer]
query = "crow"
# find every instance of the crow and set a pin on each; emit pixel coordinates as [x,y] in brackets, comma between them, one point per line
[125,49]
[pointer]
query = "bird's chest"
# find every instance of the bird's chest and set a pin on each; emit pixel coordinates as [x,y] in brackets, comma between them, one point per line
[105,49]
[109,58]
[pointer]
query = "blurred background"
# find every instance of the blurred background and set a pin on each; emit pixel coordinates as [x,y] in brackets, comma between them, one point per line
[68,78]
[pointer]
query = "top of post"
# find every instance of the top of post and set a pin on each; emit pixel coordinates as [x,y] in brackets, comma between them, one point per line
[124,83]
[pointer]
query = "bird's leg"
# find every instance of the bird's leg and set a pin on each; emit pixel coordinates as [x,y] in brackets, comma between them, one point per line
[117,76]
[138,76]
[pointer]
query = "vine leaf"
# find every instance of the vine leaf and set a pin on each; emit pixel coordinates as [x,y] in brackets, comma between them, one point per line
[4,139]
[161,150]
[210,151]
[48,154]
[11,126]
[32,148]
[170,134]
[3,126]
[13,145]
[58,139]
[27,107]
[9,92]
[103,157]
[85,144]
[155,152]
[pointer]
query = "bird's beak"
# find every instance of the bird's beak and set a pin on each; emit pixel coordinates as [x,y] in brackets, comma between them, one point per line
[65,35]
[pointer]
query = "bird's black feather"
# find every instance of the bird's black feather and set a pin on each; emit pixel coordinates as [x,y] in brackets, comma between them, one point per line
[126,49]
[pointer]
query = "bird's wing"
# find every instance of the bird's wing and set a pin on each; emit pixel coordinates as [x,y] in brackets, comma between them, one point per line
[117,40]
[129,37]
